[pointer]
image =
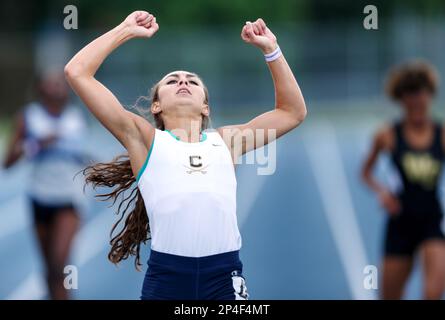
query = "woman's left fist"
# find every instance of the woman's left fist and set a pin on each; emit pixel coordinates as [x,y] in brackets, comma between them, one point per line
[258,34]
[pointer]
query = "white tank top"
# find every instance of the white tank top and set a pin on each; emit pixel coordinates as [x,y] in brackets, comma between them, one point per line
[52,180]
[189,191]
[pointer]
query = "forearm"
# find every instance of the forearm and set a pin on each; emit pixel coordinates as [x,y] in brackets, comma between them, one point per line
[371,182]
[13,155]
[88,60]
[288,96]
[26,147]
[15,149]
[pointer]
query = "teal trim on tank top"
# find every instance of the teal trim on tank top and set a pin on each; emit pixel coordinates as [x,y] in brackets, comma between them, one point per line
[203,136]
[146,160]
[177,138]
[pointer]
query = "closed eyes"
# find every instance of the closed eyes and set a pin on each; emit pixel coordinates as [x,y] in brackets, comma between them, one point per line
[175,81]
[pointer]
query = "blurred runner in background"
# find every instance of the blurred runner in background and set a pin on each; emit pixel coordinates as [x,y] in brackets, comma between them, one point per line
[416,146]
[50,132]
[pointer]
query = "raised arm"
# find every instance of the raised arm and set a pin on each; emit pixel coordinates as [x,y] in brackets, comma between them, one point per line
[290,108]
[102,103]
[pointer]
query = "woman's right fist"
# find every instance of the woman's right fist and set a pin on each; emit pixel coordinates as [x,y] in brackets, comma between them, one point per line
[141,24]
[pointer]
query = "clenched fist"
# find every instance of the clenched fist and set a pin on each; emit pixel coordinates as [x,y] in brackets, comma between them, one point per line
[141,24]
[258,34]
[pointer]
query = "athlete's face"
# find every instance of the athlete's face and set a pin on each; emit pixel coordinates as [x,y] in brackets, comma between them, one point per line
[181,93]
[417,104]
[53,87]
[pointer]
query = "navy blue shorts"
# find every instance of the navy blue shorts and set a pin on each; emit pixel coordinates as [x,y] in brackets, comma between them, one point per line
[215,277]
[45,214]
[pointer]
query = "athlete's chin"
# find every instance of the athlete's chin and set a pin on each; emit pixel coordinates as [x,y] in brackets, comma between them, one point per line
[419,117]
[183,97]
[185,103]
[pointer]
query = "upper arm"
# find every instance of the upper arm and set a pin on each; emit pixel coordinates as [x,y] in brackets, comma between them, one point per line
[106,108]
[14,149]
[383,141]
[145,129]
[18,134]
[259,131]
[138,149]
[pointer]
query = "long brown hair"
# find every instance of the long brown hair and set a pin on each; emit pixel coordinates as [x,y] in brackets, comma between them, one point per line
[118,175]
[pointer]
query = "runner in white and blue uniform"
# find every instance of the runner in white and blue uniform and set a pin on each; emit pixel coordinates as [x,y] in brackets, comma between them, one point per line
[50,134]
[186,184]
[189,190]
[52,183]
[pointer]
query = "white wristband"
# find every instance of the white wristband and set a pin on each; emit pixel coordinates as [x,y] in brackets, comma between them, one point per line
[273,55]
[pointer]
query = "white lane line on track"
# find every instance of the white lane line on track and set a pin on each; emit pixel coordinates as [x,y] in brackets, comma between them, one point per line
[248,176]
[14,215]
[89,242]
[329,172]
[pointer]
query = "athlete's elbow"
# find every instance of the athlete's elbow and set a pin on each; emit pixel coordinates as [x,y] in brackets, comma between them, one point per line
[302,113]
[298,115]
[365,174]
[5,165]
[8,163]
[72,71]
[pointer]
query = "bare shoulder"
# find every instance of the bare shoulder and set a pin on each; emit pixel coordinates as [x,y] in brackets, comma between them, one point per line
[229,132]
[144,129]
[384,137]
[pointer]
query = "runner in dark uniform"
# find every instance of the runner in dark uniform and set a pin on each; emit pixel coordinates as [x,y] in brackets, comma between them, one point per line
[421,213]
[416,146]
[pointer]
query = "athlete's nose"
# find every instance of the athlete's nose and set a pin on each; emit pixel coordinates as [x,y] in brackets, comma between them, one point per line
[183,82]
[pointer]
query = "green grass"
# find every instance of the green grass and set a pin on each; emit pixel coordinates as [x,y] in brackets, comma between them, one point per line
[5,130]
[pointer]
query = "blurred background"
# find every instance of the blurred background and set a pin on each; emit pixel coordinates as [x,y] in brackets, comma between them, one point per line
[311,227]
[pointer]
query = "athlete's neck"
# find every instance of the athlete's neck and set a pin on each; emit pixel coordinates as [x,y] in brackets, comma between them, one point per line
[187,130]
[417,124]
[54,107]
